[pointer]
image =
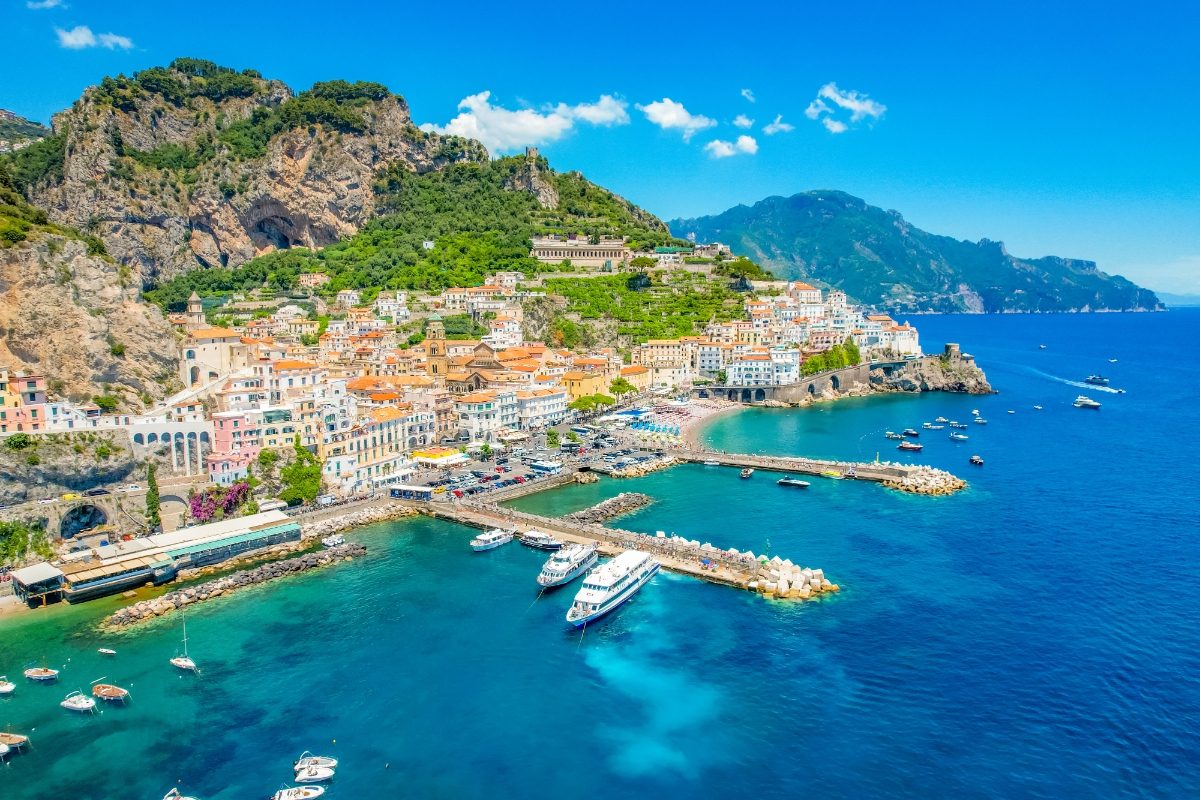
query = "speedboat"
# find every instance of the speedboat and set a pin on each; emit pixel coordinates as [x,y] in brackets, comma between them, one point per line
[78,701]
[1041,347]
[334,540]
[105,651]
[567,564]
[1085,402]
[958,437]
[790,481]
[926,425]
[747,472]
[1037,408]
[491,540]
[980,421]
[941,419]
[977,461]
[607,587]
[298,793]
[43,674]
[911,432]
[893,435]
[974,412]
[175,795]
[313,774]
[910,447]
[307,759]
[1112,361]
[1096,380]
[540,541]
[13,741]
[958,424]
[108,691]
[937,427]
[7,687]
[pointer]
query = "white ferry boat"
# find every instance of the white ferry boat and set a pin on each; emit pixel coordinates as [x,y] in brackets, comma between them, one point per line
[491,540]
[567,564]
[607,587]
[1085,402]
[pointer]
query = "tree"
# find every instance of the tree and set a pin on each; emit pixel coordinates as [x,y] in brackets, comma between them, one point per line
[301,478]
[620,386]
[572,436]
[153,503]
[552,438]
[643,262]
[18,441]
[722,376]
[106,402]
[485,451]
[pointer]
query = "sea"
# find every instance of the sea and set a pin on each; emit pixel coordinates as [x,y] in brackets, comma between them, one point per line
[1034,636]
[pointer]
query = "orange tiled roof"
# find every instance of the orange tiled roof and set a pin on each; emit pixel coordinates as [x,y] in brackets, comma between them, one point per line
[288,363]
[213,333]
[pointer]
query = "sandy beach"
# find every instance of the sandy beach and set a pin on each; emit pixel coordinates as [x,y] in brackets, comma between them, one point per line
[703,413]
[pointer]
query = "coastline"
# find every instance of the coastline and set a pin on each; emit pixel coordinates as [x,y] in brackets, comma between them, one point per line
[690,434]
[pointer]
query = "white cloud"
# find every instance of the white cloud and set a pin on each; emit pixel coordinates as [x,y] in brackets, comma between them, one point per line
[778,126]
[749,95]
[669,115]
[719,148]
[40,4]
[742,121]
[833,117]
[81,37]
[502,129]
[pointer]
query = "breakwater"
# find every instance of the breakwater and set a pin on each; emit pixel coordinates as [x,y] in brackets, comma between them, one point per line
[782,579]
[173,601]
[645,468]
[612,507]
[336,522]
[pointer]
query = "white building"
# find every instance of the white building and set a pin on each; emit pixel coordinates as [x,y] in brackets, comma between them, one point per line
[348,297]
[483,415]
[540,408]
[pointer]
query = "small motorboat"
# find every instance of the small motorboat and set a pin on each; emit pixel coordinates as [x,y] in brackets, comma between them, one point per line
[911,432]
[1086,402]
[1112,361]
[790,481]
[314,774]
[937,427]
[1037,408]
[175,795]
[1096,380]
[980,421]
[977,461]
[78,701]
[334,540]
[747,472]
[927,425]
[893,435]
[491,540]
[106,651]
[958,437]
[958,424]
[941,419]
[974,412]
[13,741]
[298,793]
[1011,411]
[307,759]
[110,692]
[539,540]
[42,674]
[911,447]
[1041,347]
[7,687]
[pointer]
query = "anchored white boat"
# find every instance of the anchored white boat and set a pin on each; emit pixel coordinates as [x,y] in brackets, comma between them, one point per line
[941,419]
[980,421]
[790,481]
[184,662]
[567,564]
[298,793]
[307,759]
[334,540]
[958,437]
[313,774]
[539,540]
[607,587]
[78,701]
[109,691]
[6,686]
[175,795]
[106,651]
[1085,402]
[491,540]
[43,674]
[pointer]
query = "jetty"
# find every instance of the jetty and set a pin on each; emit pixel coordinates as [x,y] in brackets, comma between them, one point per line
[912,478]
[742,570]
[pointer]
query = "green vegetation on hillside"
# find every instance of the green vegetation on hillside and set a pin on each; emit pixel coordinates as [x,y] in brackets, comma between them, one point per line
[476,224]
[40,161]
[181,81]
[663,311]
[21,539]
[840,355]
[18,219]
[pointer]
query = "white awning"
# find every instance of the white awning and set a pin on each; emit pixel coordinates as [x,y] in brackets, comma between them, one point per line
[37,573]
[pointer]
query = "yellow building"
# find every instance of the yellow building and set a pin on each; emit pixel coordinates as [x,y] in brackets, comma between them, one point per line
[581,384]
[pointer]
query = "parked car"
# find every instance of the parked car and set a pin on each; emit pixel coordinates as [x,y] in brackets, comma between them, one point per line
[70,496]
[132,487]
[97,492]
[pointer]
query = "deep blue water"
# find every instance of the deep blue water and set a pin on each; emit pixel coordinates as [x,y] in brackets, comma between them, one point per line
[1033,636]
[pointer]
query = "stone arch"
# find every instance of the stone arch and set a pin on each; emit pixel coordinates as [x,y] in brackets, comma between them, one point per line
[837,385]
[151,438]
[190,355]
[212,376]
[139,439]
[194,375]
[812,390]
[80,518]
[412,441]
[204,437]
[745,395]
[760,395]
[733,395]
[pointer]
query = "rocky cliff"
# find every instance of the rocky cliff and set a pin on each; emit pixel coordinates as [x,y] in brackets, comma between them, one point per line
[77,318]
[173,170]
[57,463]
[933,375]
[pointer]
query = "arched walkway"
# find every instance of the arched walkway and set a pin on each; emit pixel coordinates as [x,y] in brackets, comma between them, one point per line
[760,395]
[81,518]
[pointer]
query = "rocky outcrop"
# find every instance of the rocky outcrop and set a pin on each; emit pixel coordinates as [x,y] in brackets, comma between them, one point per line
[605,510]
[77,319]
[927,481]
[933,375]
[783,580]
[645,468]
[173,601]
[56,463]
[312,186]
[354,519]
[533,176]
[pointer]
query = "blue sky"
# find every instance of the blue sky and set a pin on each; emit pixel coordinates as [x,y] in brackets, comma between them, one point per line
[1059,128]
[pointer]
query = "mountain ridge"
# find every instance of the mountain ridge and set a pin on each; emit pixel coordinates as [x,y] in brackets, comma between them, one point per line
[877,257]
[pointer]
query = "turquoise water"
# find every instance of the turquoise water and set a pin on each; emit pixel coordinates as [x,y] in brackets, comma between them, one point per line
[1033,636]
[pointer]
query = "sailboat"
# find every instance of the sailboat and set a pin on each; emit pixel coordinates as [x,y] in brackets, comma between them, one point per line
[184,661]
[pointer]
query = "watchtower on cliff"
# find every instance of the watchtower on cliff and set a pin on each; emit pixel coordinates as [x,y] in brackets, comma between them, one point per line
[953,352]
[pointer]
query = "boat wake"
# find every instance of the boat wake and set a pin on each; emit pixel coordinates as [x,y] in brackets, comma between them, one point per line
[1091,387]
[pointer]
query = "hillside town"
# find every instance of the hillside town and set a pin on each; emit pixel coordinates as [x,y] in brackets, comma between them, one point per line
[375,404]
